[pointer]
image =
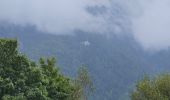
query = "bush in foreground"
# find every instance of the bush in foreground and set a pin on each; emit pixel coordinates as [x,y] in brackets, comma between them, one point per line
[22,79]
[157,88]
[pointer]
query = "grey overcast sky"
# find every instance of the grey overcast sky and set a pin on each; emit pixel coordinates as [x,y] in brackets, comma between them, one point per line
[150,19]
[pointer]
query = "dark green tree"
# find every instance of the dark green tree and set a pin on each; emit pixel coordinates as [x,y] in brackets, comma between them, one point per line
[157,88]
[23,79]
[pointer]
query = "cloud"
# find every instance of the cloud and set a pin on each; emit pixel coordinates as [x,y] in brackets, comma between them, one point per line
[55,16]
[148,20]
[152,26]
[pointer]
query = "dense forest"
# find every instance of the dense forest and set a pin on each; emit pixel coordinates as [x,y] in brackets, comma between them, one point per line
[111,61]
[84,50]
[23,79]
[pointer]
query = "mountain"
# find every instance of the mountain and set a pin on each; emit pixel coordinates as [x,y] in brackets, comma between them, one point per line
[115,61]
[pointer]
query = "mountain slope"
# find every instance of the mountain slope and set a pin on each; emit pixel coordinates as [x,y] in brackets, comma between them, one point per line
[114,62]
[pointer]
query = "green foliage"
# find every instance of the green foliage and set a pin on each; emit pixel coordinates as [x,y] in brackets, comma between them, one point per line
[112,61]
[22,79]
[153,88]
[83,84]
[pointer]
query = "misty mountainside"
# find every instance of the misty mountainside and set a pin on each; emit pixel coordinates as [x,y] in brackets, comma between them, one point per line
[115,61]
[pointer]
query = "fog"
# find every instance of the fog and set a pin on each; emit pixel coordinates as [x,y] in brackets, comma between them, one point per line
[152,26]
[148,20]
[53,16]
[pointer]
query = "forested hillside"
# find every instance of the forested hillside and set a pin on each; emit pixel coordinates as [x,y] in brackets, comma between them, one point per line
[115,62]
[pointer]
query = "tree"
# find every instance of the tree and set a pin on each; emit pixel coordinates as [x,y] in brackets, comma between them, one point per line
[23,79]
[157,88]
[84,85]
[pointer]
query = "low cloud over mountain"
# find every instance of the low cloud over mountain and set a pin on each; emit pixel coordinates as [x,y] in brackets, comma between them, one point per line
[148,20]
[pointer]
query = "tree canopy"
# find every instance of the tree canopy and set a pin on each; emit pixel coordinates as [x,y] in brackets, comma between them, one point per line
[157,88]
[83,84]
[23,79]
